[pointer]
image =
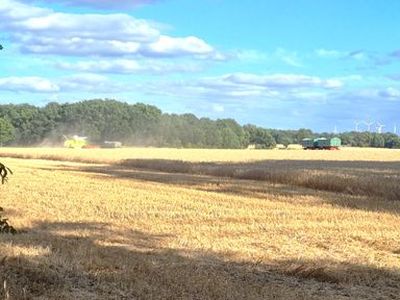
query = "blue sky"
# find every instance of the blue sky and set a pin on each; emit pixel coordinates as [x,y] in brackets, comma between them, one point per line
[274,63]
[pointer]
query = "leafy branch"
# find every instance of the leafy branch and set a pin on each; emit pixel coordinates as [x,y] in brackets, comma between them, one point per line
[4,226]
[4,171]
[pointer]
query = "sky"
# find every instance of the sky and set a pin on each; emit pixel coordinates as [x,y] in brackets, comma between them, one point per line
[317,64]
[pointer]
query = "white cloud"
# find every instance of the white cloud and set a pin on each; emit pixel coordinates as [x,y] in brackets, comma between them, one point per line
[289,57]
[103,4]
[249,55]
[358,55]
[90,83]
[378,94]
[119,27]
[128,66]
[218,108]
[45,31]
[390,93]
[28,84]
[282,80]
[13,11]
[168,46]
[329,53]
[254,87]
[84,82]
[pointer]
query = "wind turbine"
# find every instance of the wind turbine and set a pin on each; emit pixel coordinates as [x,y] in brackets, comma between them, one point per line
[357,123]
[395,129]
[379,127]
[369,123]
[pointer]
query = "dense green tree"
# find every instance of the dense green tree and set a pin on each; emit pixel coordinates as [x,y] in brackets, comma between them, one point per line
[259,136]
[145,125]
[6,132]
[239,136]
[229,139]
[377,141]
[283,137]
[391,140]
[302,134]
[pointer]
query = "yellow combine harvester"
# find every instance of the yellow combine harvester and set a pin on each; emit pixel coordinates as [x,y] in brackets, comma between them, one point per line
[75,142]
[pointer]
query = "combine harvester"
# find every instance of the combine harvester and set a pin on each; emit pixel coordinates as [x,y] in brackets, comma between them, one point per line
[321,143]
[81,142]
[75,142]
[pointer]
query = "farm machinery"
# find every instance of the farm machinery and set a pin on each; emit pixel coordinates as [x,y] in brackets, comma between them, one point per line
[321,143]
[75,142]
[81,142]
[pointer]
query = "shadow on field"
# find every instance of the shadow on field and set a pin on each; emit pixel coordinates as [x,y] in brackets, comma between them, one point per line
[94,261]
[371,186]
[366,178]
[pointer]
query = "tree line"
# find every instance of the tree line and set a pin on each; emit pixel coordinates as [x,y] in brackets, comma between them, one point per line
[145,125]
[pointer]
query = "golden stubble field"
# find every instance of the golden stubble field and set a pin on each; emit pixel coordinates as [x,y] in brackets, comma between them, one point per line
[201,224]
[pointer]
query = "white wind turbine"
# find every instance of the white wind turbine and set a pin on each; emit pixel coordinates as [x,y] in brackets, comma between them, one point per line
[369,124]
[335,131]
[379,127]
[356,123]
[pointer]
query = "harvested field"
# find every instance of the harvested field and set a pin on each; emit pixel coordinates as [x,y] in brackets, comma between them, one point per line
[217,224]
[199,155]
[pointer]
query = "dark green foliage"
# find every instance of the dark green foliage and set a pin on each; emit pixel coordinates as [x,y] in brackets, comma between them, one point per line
[302,134]
[377,141]
[259,136]
[4,226]
[4,171]
[145,125]
[6,131]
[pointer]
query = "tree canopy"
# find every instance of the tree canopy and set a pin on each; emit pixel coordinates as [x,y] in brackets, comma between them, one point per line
[145,125]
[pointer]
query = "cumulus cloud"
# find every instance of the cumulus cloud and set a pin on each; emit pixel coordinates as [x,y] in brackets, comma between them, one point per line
[253,86]
[219,108]
[128,66]
[281,80]
[13,11]
[87,26]
[358,55]
[28,84]
[45,31]
[369,59]
[390,93]
[169,46]
[84,82]
[289,57]
[90,83]
[378,95]
[327,53]
[250,55]
[103,4]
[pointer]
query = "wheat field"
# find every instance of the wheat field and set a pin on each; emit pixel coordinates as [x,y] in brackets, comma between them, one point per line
[201,224]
